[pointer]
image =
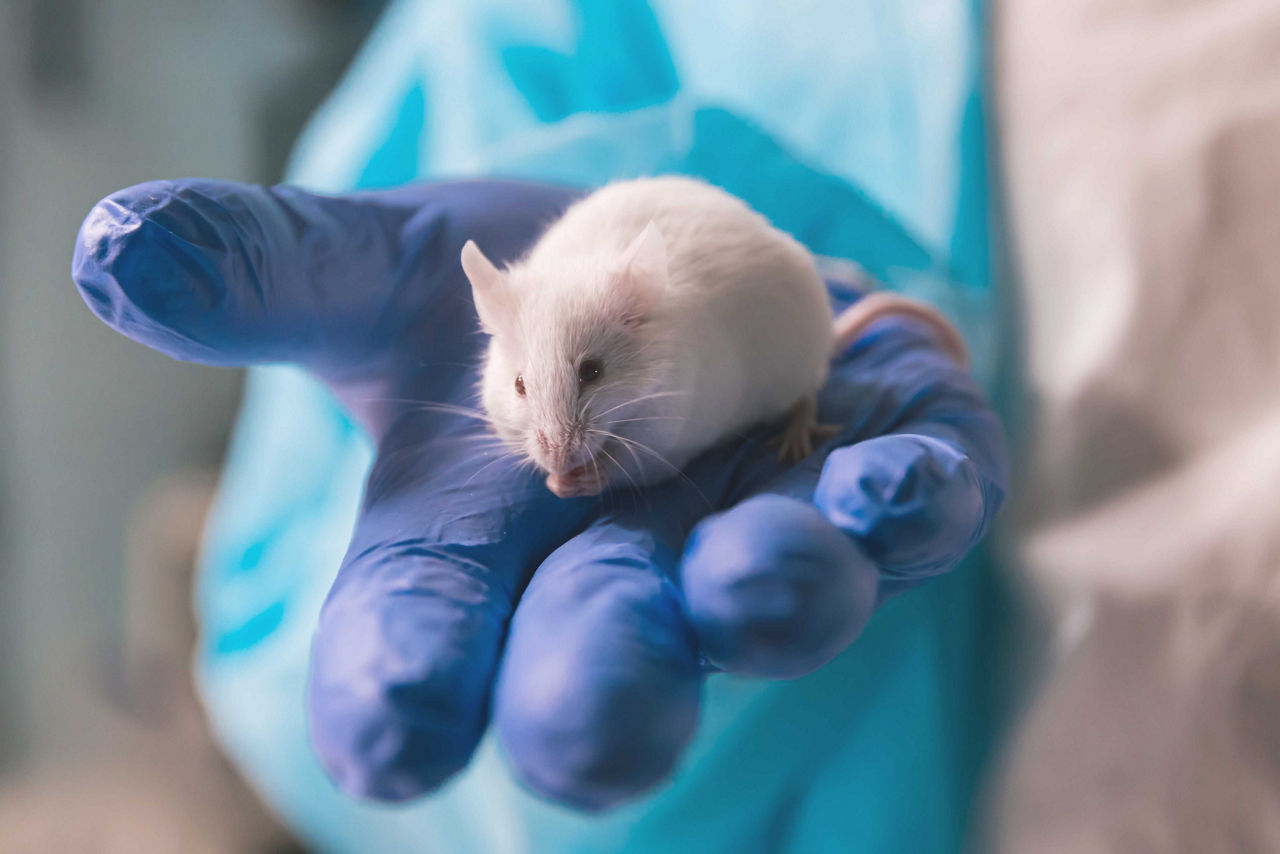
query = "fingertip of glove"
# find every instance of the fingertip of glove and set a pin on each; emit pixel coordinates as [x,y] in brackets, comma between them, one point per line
[558,750]
[913,503]
[398,689]
[774,590]
[585,787]
[142,261]
[600,684]
[377,757]
[592,746]
[97,242]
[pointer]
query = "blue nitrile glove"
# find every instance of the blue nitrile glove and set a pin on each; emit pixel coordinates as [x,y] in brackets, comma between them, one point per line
[581,628]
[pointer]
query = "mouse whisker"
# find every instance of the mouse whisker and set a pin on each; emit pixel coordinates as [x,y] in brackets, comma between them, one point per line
[413,400]
[620,468]
[464,365]
[479,445]
[483,442]
[451,409]
[484,467]
[634,457]
[653,418]
[640,399]
[635,487]
[641,446]
[433,406]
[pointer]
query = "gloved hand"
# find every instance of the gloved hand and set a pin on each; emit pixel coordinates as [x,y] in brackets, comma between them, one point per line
[581,629]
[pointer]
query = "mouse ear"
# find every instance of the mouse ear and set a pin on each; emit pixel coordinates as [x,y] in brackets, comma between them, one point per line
[489,287]
[644,271]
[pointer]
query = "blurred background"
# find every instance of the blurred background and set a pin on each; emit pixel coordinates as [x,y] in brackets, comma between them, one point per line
[107,454]
[1136,166]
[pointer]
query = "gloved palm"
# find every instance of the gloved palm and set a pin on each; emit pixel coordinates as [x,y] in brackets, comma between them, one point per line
[582,628]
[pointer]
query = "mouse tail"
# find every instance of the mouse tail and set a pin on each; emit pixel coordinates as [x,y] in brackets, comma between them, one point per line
[851,323]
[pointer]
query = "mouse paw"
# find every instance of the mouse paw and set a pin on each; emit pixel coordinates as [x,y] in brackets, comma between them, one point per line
[794,447]
[801,432]
[820,433]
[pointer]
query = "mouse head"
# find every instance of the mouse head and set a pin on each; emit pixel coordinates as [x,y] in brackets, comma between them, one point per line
[572,350]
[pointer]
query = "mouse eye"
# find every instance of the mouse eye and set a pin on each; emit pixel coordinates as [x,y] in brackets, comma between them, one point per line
[520,384]
[589,371]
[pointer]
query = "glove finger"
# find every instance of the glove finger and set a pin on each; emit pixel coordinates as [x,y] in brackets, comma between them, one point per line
[773,589]
[408,641]
[912,483]
[231,274]
[599,687]
[914,503]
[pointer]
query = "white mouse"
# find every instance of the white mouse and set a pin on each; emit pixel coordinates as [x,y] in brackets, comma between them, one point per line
[655,318]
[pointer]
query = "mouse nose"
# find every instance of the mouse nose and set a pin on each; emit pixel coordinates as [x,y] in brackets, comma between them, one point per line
[560,448]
